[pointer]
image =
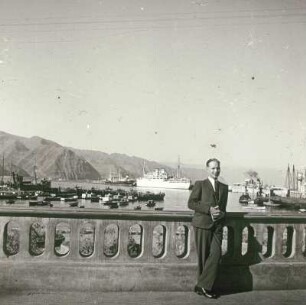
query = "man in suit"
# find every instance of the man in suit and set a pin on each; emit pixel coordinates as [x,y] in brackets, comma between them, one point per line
[208,199]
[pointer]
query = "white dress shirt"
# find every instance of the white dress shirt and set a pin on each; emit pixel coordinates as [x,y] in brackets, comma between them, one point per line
[212,181]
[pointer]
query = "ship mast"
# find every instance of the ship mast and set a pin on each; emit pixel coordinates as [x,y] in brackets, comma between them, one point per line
[143,168]
[11,170]
[288,178]
[293,178]
[2,181]
[110,177]
[178,173]
[35,175]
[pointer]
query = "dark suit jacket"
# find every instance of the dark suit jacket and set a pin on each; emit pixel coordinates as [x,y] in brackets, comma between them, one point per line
[202,198]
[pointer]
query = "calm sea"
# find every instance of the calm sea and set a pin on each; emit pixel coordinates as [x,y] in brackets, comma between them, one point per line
[175,200]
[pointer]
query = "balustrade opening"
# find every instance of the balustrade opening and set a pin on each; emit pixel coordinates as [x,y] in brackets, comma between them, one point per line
[224,246]
[111,238]
[159,241]
[288,242]
[245,241]
[181,241]
[11,238]
[267,242]
[37,239]
[87,240]
[62,239]
[134,246]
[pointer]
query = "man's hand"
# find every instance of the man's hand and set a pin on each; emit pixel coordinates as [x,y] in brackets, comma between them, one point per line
[216,213]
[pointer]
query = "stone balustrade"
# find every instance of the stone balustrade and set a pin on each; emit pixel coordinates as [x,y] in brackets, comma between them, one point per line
[106,250]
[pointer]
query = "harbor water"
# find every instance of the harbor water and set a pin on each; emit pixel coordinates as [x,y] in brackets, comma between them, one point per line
[174,200]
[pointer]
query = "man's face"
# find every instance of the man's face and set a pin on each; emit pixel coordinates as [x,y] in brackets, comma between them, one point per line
[213,169]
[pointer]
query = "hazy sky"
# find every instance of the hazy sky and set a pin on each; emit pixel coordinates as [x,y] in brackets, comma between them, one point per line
[158,79]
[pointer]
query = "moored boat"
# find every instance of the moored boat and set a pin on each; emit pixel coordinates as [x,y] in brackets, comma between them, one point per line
[289,202]
[114,205]
[52,198]
[159,208]
[150,196]
[69,199]
[244,198]
[73,203]
[38,203]
[260,200]
[271,204]
[123,202]
[151,203]
[8,194]
[10,201]
[94,199]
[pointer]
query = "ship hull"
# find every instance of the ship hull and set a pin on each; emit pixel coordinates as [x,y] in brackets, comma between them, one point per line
[289,202]
[167,184]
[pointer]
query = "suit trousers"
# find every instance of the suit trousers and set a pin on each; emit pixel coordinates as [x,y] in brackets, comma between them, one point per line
[208,244]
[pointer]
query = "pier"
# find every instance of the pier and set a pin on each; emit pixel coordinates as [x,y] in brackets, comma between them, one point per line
[135,252]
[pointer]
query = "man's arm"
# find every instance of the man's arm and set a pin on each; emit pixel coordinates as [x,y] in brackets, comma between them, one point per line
[194,202]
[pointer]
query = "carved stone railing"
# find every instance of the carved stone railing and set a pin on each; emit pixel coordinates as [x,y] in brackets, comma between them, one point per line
[108,250]
[264,251]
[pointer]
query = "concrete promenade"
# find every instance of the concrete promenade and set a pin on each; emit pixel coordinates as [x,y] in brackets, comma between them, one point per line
[275,297]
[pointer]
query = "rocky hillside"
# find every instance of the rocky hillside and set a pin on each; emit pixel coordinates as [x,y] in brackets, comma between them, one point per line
[54,161]
[50,159]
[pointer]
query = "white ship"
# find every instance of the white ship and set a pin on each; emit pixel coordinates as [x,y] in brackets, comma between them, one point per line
[160,179]
[250,186]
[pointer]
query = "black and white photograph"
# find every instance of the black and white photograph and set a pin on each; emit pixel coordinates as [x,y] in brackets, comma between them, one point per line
[152,152]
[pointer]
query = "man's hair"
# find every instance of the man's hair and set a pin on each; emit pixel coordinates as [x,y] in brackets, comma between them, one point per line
[211,160]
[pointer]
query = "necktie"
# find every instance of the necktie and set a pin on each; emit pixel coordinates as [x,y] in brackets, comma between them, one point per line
[217,189]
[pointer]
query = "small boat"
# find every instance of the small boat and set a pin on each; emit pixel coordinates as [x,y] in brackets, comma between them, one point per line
[150,203]
[10,201]
[52,199]
[33,203]
[123,202]
[33,198]
[73,203]
[114,205]
[159,209]
[244,198]
[94,199]
[261,200]
[150,196]
[69,199]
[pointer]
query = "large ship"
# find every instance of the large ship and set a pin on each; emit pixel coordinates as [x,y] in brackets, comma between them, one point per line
[250,186]
[119,180]
[160,179]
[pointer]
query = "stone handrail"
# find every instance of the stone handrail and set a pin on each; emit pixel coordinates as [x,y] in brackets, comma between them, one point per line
[250,239]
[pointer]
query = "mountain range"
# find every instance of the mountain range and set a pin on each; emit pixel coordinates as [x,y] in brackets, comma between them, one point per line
[54,161]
